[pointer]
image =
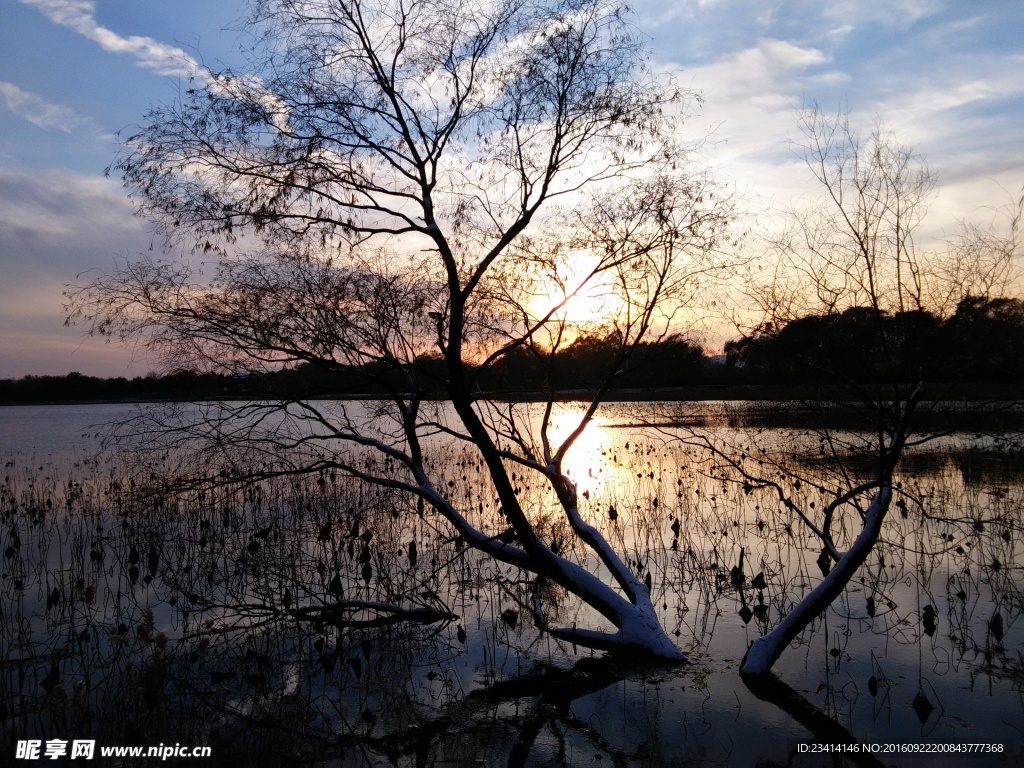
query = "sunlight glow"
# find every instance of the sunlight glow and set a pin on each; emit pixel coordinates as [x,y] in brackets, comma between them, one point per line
[586,461]
[585,298]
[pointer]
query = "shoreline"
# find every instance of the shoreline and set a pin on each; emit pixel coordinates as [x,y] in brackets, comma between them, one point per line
[1004,393]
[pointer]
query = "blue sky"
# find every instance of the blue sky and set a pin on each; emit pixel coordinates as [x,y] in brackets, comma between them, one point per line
[947,76]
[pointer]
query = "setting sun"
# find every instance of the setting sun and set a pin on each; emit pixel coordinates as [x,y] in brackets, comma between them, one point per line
[577,293]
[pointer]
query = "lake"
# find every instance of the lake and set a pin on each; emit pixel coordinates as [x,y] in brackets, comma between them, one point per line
[193,617]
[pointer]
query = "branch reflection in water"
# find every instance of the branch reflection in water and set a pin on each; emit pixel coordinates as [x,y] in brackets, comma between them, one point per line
[273,620]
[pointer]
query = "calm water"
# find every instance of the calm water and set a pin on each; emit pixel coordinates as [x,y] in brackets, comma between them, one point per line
[59,432]
[163,619]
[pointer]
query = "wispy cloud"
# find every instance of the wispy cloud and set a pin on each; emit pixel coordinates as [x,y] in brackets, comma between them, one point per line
[80,15]
[938,73]
[748,90]
[55,224]
[766,74]
[895,14]
[39,111]
[60,223]
[151,54]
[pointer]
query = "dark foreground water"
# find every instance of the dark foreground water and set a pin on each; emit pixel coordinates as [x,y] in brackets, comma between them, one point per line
[197,618]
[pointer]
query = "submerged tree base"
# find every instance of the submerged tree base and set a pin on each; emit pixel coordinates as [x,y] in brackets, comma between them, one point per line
[639,638]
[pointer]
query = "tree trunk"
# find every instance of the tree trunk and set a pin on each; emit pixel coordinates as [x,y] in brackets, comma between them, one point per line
[765,651]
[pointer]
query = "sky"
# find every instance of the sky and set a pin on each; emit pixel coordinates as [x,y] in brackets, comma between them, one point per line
[947,76]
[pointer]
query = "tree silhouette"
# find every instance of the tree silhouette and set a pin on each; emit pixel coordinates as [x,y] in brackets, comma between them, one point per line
[411,193]
[845,315]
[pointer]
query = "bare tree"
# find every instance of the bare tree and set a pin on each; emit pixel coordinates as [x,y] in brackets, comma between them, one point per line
[981,259]
[855,248]
[859,318]
[846,305]
[392,190]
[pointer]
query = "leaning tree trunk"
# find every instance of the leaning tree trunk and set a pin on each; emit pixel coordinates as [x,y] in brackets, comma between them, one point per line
[765,651]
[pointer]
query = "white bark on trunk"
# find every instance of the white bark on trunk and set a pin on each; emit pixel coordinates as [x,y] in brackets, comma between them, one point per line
[765,651]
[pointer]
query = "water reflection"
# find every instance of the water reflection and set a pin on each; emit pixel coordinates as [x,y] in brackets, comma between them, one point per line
[590,462]
[259,619]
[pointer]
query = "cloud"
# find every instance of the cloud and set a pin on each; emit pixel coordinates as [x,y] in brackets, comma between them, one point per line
[80,15]
[894,14]
[767,71]
[694,31]
[161,58]
[54,350]
[54,225]
[838,33]
[64,210]
[939,74]
[38,111]
[750,96]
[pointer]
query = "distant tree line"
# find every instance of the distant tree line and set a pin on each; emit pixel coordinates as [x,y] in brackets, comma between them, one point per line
[981,342]
[670,362]
[75,386]
[673,361]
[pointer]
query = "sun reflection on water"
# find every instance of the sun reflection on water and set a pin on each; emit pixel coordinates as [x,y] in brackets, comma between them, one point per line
[590,462]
